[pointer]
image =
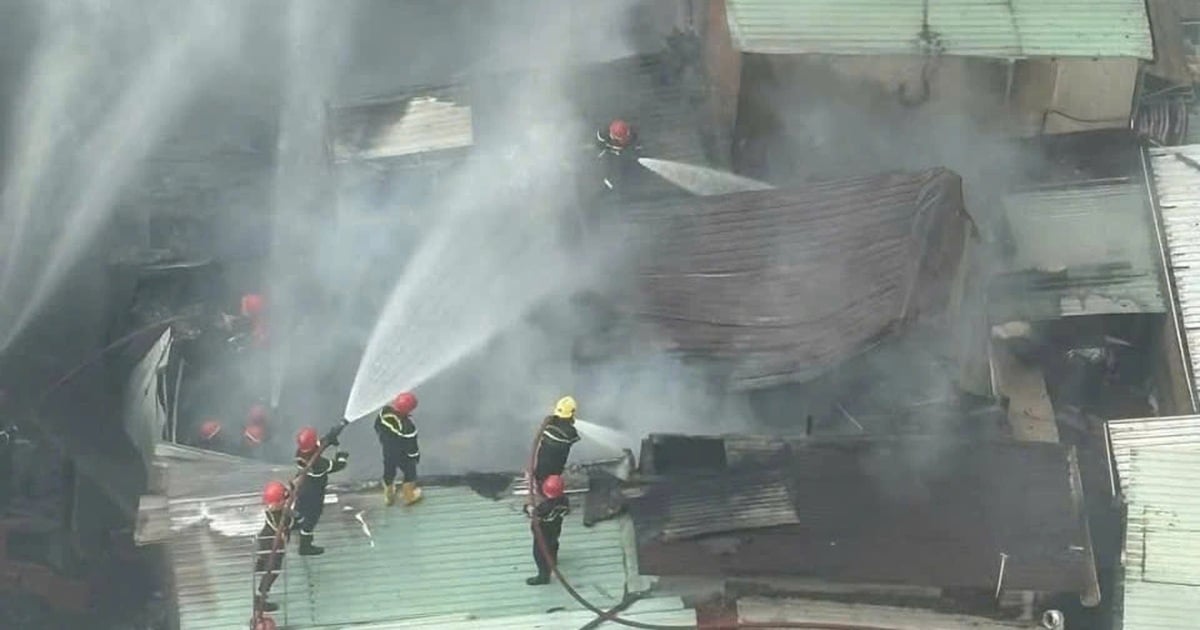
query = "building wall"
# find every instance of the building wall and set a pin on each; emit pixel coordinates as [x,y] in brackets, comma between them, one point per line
[722,62]
[1070,95]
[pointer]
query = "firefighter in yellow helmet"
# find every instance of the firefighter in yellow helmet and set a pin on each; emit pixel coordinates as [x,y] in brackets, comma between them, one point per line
[555,441]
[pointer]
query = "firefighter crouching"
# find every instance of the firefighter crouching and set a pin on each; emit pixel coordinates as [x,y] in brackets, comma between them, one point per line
[549,514]
[274,497]
[310,494]
[398,438]
[555,441]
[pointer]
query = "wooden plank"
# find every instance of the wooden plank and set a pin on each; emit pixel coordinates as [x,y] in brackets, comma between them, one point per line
[1030,414]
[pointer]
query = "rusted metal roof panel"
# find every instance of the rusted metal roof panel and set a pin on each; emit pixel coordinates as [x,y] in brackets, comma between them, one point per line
[843,615]
[717,503]
[973,28]
[783,284]
[920,512]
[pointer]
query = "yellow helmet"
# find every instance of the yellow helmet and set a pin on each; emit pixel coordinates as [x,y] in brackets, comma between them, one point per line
[565,408]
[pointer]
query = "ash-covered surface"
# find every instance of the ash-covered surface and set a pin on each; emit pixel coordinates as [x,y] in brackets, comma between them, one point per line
[782,284]
[919,512]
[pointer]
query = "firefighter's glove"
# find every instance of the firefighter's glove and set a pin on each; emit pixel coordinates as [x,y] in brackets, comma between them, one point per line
[525,510]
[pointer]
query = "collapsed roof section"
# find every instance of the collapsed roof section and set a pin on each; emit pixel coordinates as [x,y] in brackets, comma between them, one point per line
[929,512]
[417,121]
[783,284]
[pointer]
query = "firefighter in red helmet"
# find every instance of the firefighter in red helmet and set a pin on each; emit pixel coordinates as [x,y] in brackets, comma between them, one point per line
[398,438]
[619,150]
[617,138]
[254,434]
[249,326]
[268,559]
[549,514]
[310,495]
[211,436]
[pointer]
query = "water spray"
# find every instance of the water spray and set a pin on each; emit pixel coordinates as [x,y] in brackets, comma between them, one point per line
[700,180]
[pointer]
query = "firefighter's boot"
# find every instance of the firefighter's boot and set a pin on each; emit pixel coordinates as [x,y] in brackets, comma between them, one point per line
[412,493]
[538,580]
[307,548]
[389,494]
[261,603]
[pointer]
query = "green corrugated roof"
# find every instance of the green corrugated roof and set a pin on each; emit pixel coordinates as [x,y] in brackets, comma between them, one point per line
[457,555]
[1162,535]
[976,28]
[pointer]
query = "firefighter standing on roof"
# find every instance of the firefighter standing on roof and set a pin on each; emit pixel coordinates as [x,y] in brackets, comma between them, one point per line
[310,494]
[398,437]
[549,515]
[555,441]
[266,563]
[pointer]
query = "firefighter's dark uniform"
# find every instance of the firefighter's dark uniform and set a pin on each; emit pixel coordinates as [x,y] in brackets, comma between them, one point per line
[618,162]
[6,467]
[264,561]
[310,497]
[553,447]
[549,514]
[398,438]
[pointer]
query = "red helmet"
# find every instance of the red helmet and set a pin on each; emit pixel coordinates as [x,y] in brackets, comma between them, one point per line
[619,131]
[552,487]
[255,434]
[307,440]
[252,304]
[257,415]
[209,429]
[274,493]
[265,623]
[404,402]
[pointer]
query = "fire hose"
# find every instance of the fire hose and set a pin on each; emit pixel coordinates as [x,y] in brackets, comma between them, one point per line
[613,615]
[285,521]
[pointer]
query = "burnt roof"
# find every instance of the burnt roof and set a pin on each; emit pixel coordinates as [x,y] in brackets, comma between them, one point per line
[916,511]
[783,284]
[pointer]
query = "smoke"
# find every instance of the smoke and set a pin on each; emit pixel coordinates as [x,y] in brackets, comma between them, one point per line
[82,128]
[477,260]
[815,118]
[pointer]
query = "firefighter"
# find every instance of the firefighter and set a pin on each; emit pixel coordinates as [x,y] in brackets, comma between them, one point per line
[555,441]
[7,437]
[618,155]
[212,436]
[617,139]
[310,494]
[274,497]
[548,514]
[398,437]
[254,435]
[250,325]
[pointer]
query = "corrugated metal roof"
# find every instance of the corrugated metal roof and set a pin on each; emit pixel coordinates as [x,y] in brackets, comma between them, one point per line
[1080,250]
[762,610]
[1161,554]
[783,284]
[1177,187]
[471,555]
[714,504]
[1170,431]
[920,512]
[662,611]
[977,28]
[426,120]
